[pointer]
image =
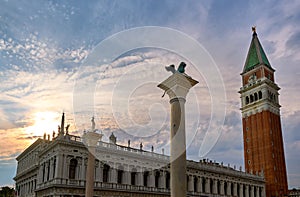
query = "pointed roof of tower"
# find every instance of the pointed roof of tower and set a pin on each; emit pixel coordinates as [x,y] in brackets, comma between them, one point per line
[256,54]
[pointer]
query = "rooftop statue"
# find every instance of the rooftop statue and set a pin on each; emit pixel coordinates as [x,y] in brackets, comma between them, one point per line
[93,124]
[181,68]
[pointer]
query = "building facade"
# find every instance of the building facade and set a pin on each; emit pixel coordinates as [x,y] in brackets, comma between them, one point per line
[57,168]
[263,142]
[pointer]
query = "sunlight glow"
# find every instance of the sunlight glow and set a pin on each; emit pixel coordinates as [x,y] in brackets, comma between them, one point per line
[43,122]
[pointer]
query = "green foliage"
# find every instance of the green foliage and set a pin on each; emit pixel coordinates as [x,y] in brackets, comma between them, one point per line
[7,192]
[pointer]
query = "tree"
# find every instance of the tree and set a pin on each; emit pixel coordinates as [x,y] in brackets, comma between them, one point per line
[7,192]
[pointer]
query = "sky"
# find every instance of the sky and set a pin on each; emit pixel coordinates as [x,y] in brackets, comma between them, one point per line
[105,59]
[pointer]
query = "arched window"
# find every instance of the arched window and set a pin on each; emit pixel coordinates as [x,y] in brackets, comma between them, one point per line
[195,184]
[225,188]
[255,96]
[133,177]
[156,178]
[238,190]
[168,177]
[203,185]
[251,98]
[187,182]
[72,169]
[146,174]
[247,100]
[120,176]
[218,187]
[211,186]
[259,95]
[105,172]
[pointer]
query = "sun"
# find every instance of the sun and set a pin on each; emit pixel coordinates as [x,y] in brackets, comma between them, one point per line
[43,122]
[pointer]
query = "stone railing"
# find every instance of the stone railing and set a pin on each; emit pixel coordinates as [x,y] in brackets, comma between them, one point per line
[109,146]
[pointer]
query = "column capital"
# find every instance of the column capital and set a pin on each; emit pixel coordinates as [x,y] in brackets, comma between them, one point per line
[90,139]
[177,85]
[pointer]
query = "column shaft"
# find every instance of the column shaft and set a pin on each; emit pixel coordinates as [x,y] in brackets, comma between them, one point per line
[178,148]
[89,190]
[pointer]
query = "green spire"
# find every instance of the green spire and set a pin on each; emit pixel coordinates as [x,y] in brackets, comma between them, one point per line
[256,54]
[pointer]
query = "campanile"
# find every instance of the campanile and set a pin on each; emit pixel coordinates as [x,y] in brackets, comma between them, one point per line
[262,134]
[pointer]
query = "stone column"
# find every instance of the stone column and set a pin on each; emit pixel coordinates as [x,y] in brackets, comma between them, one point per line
[177,87]
[128,177]
[151,179]
[65,167]
[241,190]
[199,185]
[191,183]
[58,170]
[257,192]
[263,192]
[51,166]
[83,175]
[113,177]
[90,139]
[229,192]
[234,192]
[207,186]
[215,186]
[222,187]
[247,191]
[162,180]
[140,178]
[252,191]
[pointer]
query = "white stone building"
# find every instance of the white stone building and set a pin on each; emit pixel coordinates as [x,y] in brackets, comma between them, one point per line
[57,168]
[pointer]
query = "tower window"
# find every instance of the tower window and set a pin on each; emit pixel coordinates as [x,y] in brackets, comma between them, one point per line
[249,162]
[247,140]
[247,128]
[247,100]
[255,96]
[251,98]
[259,95]
[248,150]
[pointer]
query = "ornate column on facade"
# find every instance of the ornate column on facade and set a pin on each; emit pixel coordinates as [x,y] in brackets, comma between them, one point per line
[58,170]
[140,177]
[222,187]
[151,179]
[207,185]
[91,139]
[191,183]
[113,177]
[162,180]
[241,191]
[177,87]
[83,175]
[234,192]
[252,191]
[127,177]
[51,168]
[215,186]
[65,167]
[257,192]
[199,185]
[229,192]
[247,191]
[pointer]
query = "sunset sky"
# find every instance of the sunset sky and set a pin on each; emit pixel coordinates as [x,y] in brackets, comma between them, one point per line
[97,59]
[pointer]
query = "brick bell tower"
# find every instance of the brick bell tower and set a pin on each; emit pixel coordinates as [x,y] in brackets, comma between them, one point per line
[263,143]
